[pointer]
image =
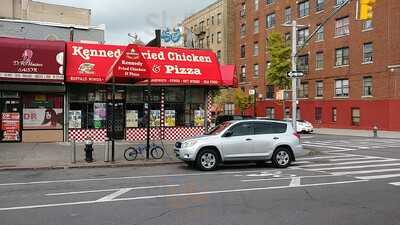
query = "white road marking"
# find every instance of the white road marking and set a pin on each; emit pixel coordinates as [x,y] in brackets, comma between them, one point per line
[366,171]
[287,178]
[350,163]
[125,178]
[112,196]
[354,167]
[176,195]
[349,159]
[331,147]
[378,177]
[395,183]
[326,157]
[108,190]
[295,182]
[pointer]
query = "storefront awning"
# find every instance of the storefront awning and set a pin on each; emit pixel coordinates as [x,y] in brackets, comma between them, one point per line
[25,60]
[228,76]
[167,66]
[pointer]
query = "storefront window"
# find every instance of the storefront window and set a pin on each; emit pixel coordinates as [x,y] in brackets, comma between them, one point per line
[42,111]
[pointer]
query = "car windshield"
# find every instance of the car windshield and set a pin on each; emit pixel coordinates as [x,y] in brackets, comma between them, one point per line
[218,129]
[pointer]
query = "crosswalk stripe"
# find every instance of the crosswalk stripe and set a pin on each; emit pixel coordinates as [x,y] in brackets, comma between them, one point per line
[355,167]
[378,176]
[395,183]
[365,171]
[349,159]
[327,157]
[350,163]
[331,147]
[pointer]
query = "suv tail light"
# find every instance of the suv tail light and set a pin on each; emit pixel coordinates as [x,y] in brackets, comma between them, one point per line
[297,135]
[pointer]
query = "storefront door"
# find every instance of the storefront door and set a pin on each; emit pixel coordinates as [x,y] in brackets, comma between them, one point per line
[10,120]
[119,120]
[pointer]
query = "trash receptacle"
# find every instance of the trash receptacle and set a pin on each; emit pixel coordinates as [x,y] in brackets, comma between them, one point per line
[89,150]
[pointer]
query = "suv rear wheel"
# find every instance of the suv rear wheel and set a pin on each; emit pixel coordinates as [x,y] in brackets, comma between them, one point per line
[281,158]
[207,160]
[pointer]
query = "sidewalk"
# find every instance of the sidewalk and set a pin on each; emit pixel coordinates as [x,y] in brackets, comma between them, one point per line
[357,133]
[22,156]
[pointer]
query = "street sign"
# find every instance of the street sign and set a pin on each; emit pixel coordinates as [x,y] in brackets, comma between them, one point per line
[252,92]
[295,74]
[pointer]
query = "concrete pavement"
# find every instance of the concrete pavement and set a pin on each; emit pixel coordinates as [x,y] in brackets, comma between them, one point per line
[356,133]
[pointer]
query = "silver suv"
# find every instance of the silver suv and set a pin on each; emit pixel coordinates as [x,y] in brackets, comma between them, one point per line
[246,140]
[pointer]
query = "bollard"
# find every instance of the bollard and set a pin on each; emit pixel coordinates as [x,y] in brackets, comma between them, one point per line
[73,158]
[375,131]
[107,150]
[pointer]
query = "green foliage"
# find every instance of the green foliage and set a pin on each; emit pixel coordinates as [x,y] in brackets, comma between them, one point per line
[235,96]
[280,59]
[242,100]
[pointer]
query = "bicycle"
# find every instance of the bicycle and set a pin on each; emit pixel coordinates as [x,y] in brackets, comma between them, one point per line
[156,151]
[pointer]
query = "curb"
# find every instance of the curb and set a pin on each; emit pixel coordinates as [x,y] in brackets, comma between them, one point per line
[111,165]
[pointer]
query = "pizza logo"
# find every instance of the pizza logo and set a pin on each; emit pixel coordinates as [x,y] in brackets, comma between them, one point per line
[132,54]
[86,68]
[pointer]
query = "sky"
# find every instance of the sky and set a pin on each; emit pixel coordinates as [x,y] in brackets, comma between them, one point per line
[135,16]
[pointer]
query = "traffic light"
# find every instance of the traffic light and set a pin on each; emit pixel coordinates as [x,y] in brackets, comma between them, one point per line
[366,9]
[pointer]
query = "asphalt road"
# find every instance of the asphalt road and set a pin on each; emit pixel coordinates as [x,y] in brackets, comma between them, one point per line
[353,181]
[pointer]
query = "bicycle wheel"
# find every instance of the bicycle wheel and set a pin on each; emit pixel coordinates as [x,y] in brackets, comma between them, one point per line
[130,154]
[157,152]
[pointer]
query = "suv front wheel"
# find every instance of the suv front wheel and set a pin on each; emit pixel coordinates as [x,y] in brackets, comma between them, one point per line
[281,158]
[207,160]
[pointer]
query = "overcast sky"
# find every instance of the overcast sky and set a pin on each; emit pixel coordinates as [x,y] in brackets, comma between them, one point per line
[135,16]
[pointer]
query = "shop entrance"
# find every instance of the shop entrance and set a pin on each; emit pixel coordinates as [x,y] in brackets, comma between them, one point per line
[10,120]
[119,120]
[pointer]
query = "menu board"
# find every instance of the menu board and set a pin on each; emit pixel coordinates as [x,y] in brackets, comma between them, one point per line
[75,119]
[199,118]
[10,126]
[169,118]
[132,118]
[155,118]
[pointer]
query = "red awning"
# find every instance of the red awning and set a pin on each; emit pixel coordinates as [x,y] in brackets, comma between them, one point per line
[228,75]
[167,66]
[31,60]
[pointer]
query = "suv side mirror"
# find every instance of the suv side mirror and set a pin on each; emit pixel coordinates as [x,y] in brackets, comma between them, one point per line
[228,134]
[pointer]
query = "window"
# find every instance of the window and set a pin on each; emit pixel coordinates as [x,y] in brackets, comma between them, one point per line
[269,128]
[201,43]
[339,2]
[319,61]
[212,38]
[243,10]
[212,20]
[367,25]
[318,114]
[334,115]
[302,63]
[270,92]
[208,21]
[302,92]
[368,51]
[243,30]
[319,36]
[242,51]
[320,4]
[319,85]
[229,109]
[242,129]
[287,113]
[271,20]
[342,56]
[302,36]
[342,26]
[342,88]
[304,8]
[288,15]
[219,55]
[270,2]
[256,71]
[256,5]
[270,113]
[256,26]
[219,19]
[219,37]
[367,86]
[243,73]
[355,117]
[256,49]
[288,39]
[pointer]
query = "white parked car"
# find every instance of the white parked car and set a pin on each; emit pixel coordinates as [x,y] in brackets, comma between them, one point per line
[303,126]
[245,140]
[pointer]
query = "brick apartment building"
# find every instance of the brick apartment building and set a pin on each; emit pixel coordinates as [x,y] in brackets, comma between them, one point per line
[352,67]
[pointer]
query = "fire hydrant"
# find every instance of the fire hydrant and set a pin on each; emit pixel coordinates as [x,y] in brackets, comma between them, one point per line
[89,150]
[375,131]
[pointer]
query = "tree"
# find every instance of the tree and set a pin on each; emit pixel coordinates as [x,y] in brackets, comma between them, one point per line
[230,95]
[242,101]
[280,59]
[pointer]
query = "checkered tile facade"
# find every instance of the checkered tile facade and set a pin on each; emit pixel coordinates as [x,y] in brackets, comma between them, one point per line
[80,135]
[209,107]
[176,133]
[139,134]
